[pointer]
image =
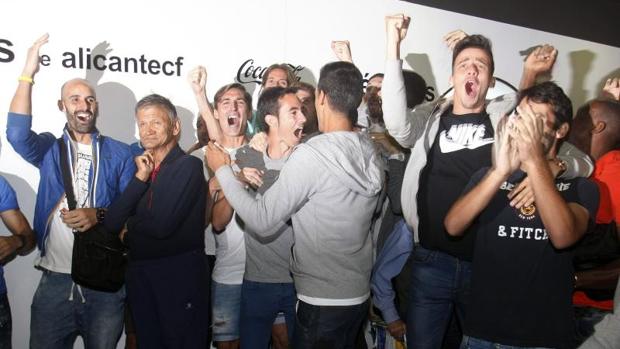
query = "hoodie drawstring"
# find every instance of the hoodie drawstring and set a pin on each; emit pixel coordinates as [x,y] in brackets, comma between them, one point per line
[73,285]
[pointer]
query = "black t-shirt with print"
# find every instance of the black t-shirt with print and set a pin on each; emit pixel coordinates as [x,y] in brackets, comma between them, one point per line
[521,286]
[462,147]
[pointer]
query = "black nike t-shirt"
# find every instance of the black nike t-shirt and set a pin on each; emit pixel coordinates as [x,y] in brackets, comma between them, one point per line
[521,286]
[462,147]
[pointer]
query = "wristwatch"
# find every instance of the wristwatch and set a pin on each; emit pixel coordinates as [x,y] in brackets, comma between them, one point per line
[100,214]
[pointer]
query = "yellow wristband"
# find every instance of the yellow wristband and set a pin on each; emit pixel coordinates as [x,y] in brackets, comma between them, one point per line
[26,79]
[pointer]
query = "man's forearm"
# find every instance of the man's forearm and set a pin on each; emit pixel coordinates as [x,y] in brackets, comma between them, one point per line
[22,100]
[561,224]
[469,206]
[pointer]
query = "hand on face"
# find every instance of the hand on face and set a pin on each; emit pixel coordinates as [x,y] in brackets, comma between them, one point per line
[145,165]
[197,79]
[528,133]
[505,157]
[32,59]
[216,156]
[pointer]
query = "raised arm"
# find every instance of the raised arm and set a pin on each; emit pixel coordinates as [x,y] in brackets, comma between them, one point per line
[540,61]
[22,100]
[342,49]
[197,79]
[612,88]
[399,121]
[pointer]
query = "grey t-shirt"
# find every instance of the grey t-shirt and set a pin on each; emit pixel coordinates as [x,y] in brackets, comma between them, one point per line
[267,258]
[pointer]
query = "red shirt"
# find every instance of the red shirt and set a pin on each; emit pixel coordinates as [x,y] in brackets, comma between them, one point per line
[607,176]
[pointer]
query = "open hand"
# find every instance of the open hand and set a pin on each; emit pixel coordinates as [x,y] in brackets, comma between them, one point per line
[32,58]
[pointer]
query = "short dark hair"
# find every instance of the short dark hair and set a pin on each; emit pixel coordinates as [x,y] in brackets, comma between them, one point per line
[415,88]
[342,83]
[269,103]
[550,93]
[304,86]
[375,75]
[157,100]
[290,77]
[474,41]
[247,97]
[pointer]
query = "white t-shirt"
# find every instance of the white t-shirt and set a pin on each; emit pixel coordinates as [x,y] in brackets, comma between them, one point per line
[229,255]
[230,249]
[59,244]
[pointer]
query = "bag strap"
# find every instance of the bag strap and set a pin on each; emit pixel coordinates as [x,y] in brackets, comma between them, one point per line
[66,174]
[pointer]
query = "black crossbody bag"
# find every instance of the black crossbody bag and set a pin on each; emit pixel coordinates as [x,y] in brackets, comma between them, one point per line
[99,257]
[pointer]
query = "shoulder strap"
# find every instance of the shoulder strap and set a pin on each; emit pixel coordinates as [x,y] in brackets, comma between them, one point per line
[66,175]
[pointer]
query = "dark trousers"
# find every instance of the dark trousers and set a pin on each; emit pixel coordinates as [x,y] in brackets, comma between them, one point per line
[328,327]
[440,286]
[5,322]
[169,300]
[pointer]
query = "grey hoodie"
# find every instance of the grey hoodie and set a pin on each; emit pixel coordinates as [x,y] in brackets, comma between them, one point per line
[329,187]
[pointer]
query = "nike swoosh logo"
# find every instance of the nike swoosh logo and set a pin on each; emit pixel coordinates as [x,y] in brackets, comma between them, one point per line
[447,145]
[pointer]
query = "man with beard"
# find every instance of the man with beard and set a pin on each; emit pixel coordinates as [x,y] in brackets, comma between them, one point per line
[450,140]
[101,169]
[267,284]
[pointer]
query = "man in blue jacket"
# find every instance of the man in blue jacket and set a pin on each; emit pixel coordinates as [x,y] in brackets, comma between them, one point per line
[101,168]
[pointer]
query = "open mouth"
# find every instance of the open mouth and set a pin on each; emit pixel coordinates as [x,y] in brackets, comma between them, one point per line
[470,88]
[232,120]
[83,116]
[299,132]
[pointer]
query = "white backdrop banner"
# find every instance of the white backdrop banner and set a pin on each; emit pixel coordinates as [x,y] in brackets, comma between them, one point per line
[129,49]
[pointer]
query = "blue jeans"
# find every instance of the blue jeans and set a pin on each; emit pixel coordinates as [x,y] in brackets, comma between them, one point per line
[476,343]
[260,304]
[226,300]
[328,327]
[440,286]
[6,323]
[62,310]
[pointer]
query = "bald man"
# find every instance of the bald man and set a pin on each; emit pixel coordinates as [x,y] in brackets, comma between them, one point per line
[101,168]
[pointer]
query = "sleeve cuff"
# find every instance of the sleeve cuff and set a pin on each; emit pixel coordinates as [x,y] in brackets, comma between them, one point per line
[19,120]
[390,314]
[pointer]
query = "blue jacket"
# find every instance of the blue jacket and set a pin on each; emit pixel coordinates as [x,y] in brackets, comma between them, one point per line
[112,169]
[388,265]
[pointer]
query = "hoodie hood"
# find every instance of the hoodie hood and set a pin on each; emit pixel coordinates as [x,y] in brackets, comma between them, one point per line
[352,158]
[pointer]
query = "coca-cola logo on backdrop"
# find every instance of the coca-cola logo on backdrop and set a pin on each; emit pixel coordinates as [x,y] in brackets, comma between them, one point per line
[249,72]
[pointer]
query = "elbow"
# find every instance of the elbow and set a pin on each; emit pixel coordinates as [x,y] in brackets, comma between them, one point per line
[566,239]
[452,226]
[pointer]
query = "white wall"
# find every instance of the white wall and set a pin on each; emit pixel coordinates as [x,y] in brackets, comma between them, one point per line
[222,35]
